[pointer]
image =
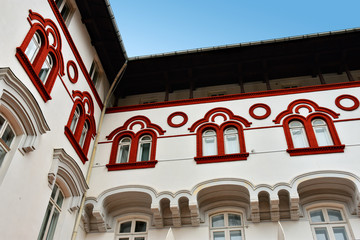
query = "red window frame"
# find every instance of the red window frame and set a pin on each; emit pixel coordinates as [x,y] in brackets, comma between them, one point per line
[313,148]
[82,99]
[221,155]
[44,28]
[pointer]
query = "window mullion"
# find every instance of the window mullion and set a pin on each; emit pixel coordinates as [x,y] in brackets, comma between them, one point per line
[49,221]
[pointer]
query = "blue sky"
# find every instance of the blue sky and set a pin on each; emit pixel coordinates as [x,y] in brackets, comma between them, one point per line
[159,26]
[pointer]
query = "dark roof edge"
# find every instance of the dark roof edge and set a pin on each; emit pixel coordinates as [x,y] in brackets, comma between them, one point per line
[111,13]
[245,44]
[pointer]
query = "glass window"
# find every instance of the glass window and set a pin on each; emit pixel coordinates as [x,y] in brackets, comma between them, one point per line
[322,134]
[298,134]
[123,151]
[51,215]
[226,226]
[94,72]
[7,136]
[209,143]
[144,148]
[83,134]
[33,47]
[329,224]
[46,68]
[64,8]
[231,141]
[132,230]
[75,120]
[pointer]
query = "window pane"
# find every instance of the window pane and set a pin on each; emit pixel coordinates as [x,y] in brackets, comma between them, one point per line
[2,121]
[32,48]
[340,233]
[83,134]
[125,227]
[234,220]
[334,215]
[65,11]
[317,216]
[322,136]
[124,238]
[75,120]
[8,135]
[140,226]
[209,146]
[53,193]
[235,235]
[218,221]
[139,238]
[2,154]
[58,3]
[45,69]
[53,222]
[60,199]
[232,144]
[145,152]
[219,235]
[123,154]
[321,234]
[45,221]
[299,138]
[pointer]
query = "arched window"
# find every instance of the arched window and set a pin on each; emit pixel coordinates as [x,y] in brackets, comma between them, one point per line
[298,134]
[33,47]
[75,119]
[322,134]
[144,148]
[46,68]
[209,143]
[52,214]
[226,226]
[329,224]
[124,150]
[135,229]
[6,137]
[231,140]
[83,135]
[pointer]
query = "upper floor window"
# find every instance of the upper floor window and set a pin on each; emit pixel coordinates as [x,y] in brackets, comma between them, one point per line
[231,140]
[94,73]
[298,134]
[7,136]
[132,230]
[309,128]
[33,47]
[329,224]
[209,143]
[52,214]
[40,54]
[226,226]
[144,148]
[124,150]
[81,124]
[65,9]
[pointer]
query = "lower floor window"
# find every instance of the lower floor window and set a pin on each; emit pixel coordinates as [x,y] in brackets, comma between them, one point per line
[329,224]
[132,230]
[52,214]
[226,226]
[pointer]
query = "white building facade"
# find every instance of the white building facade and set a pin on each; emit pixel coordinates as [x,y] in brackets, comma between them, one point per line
[275,158]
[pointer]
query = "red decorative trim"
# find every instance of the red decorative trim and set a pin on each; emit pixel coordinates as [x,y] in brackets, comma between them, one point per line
[227,112]
[174,125]
[255,128]
[218,115]
[345,120]
[75,144]
[222,158]
[134,165]
[297,109]
[67,90]
[75,51]
[346,96]
[316,150]
[136,120]
[72,64]
[260,105]
[292,105]
[180,135]
[268,93]
[43,27]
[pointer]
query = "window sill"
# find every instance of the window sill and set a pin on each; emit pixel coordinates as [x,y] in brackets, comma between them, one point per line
[75,144]
[133,165]
[222,158]
[316,150]
[31,73]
